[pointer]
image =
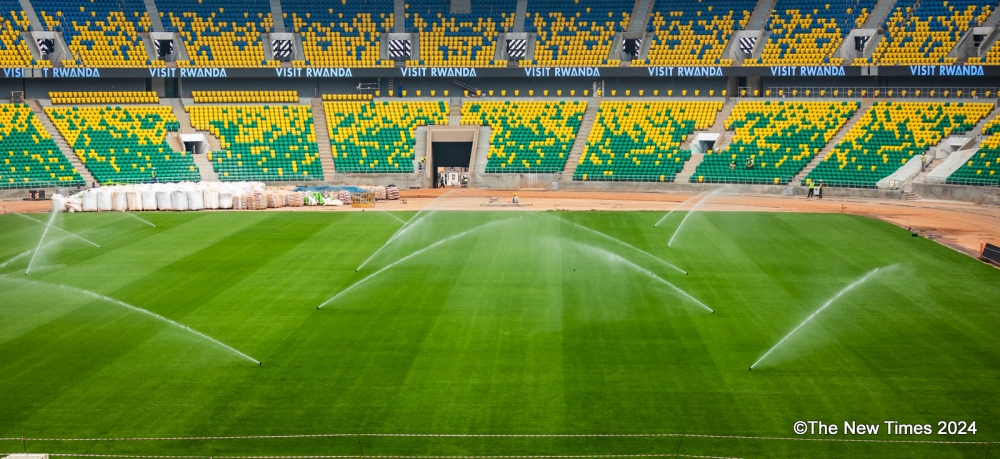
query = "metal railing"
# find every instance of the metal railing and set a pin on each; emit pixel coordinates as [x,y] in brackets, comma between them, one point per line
[873,92]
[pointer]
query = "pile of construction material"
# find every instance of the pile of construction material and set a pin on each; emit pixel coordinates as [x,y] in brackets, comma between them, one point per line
[392,192]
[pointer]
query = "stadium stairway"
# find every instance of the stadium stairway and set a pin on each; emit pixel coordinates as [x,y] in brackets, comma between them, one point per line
[323,139]
[800,177]
[279,22]
[690,167]
[761,14]
[185,124]
[57,137]
[576,151]
[718,128]
[154,16]
[878,14]
[32,17]
[455,112]
[399,19]
[205,168]
[520,12]
[640,16]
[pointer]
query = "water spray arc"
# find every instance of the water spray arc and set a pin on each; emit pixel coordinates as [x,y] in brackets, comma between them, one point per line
[645,271]
[839,294]
[623,243]
[402,229]
[690,212]
[130,214]
[38,248]
[59,229]
[401,260]
[139,310]
[678,206]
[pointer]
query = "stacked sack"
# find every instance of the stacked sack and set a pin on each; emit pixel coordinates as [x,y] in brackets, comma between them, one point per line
[156,196]
[344,196]
[392,192]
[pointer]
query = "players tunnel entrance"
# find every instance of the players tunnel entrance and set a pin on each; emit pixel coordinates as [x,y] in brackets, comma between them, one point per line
[450,155]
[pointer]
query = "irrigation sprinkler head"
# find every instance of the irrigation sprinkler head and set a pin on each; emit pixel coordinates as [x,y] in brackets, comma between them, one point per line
[750,369]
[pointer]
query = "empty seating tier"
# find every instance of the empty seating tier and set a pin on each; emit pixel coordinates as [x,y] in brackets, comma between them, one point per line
[888,135]
[115,97]
[571,33]
[695,32]
[227,35]
[925,31]
[378,137]
[640,141]
[780,138]
[459,39]
[347,97]
[983,168]
[124,144]
[99,33]
[807,32]
[340,34]
[527,136]
[266,143]
[245,96]
[30,156]
[14,51]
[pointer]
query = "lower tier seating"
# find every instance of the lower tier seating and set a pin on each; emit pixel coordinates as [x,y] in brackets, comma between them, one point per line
[640,140]
[30,156]
[983,168]
[378,137]
[527,136]
[779,137]
[889,135]
[265,143]
[125,144]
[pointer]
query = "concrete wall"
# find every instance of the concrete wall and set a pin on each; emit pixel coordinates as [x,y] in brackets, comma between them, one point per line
[978,195]
[39,88]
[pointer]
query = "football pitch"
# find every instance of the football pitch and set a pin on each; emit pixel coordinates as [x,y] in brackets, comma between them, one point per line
[513,333]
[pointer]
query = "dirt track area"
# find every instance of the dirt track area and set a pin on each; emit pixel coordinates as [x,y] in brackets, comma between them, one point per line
[961,226]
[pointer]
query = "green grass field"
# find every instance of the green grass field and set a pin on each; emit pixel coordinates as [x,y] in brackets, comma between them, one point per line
[524,324]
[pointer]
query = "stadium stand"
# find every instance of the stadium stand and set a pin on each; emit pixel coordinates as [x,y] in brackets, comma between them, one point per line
[245,96]
[925,31]
[807,32]
[124,144]
[99,33]
[113,97]
[270,142]
[640,140]
[575,34]
[983,168]
[14,51]
[693,32]
[354,97]
[889,135]
[527,136]
[30,156]
[780,137]
[458,39]
[378,137]
[226,35]
[340,34]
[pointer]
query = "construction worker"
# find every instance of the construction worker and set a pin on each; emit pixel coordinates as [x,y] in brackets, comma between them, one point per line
[812,188]
[515,198]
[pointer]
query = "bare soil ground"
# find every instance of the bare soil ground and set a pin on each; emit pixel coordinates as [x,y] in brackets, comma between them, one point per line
[961,226]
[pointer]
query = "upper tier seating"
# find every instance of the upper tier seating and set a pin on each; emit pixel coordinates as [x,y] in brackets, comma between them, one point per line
[30,157]
[781,137]
[695,32]
[810,32]
[266,143]
[992,56]
[888,135]
[99,33]
[459,39]
[340,34]
[640,140]
[202,97]
[113,97]
[571,33]
[226,35]
[378,137]
[527,136]
[925,34]
[125,144]
[983,168]
[14,51]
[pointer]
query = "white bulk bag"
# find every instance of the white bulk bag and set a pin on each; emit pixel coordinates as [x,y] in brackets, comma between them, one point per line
[179,200]
[211,198]
[225,200]
[104,199]
[89,201]
[148,200]
[120,201]
[196,200]
[163,200]
[58,203]
[134,199]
